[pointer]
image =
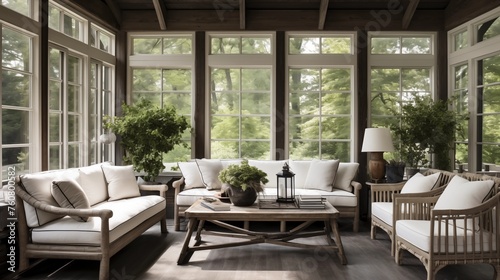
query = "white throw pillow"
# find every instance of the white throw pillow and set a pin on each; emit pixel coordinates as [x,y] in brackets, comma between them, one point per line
[464,195]
[300,168]
[321,175]
[346,173]
[69,194]
[419,183]
[191,174]
[121,182]
[209,170]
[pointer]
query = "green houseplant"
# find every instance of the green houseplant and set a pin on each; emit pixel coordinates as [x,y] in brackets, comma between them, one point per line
[242,182]
[147,132]
[427,128]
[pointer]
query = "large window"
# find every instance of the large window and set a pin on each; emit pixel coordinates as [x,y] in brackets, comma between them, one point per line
[66,22]
[24,7]
[161,71]
[321,99]
[18,130]
[401,68]
[241,87]
[475,78]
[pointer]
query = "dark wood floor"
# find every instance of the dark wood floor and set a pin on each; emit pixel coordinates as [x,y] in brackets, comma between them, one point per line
[154,256]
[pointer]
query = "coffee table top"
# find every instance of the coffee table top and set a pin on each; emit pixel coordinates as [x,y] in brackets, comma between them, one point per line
[253,213]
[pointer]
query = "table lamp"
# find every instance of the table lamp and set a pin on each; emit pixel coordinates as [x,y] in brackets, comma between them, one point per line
[376,142]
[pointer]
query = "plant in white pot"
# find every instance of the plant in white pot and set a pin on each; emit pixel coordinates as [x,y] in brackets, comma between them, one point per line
[147,132]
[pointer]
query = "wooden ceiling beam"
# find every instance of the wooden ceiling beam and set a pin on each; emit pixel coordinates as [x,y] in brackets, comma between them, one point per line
[323,10]
[161,13]
[242,15]
[115,10]
[410,11]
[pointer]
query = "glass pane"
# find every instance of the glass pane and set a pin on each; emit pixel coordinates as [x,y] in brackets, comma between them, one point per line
[256,150]
[15,127]
[74,69]
[225,127]
[15,159]
[225,149]
[181,101]
[146,80]
[336,45]
[256,103]
[55,63]
[491,66]
[385,80]
[304,150]
[20,6]
[177,45]
[488,30]
[336,79]
[225,79]
[154,97]
[255,127]
[54,95]
[16,89]
[55,157]
[256,46]
[146,46]
[107,79]
[92,132]
[93,75]
[461,154]
[16,49]
[92,153]
[93,36]
[386,46]
[491,99]
[335,128]
[491,154]
[177,80]
[73,128]
[461,77]
[309,128]
[225,103]
[461,40]
[71,26]
[416,45]
[225,45]
[73,155]
[92,104]
[336,103]
[104,42]
[256,79]
[299,45]
[55,128]
[54,18]
[491,130]
[304,79]
[73,97]
[179,153]
[384,103]
[304,103]
[335,150]
[416,79]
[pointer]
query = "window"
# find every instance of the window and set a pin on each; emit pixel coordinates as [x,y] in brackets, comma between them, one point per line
[240,44]
[488,29]
[66,22]
[460,90]
[401,45]
[17,93]
[320,99]
[101,39]
[161,71]
[24,7]
[461,40]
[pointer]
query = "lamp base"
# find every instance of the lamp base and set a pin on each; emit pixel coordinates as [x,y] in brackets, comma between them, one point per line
[376,166]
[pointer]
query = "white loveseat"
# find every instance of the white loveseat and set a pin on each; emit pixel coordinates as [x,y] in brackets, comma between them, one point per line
[331,179]
[83,213]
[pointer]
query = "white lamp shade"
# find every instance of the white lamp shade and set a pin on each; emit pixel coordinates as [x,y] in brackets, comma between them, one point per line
[377,140]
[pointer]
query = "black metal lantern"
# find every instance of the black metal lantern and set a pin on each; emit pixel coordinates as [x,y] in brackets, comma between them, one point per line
[286,185]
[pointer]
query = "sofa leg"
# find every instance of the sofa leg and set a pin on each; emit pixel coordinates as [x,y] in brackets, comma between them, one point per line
[104,269]
[163,225]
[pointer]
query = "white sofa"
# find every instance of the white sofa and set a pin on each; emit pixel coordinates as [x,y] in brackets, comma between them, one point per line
[331,179]
[83,213]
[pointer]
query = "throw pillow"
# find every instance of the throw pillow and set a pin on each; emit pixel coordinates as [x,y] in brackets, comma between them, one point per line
[321,175]
[300,168]
[419,183]
[93,183]
[191,174]
[69,194]
[346,173]
[209,170]
[464,195]
[121,182]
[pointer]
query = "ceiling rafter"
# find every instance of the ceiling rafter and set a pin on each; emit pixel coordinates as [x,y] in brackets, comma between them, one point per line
[242,14]
[161,13]
[410,11]
[323,9]
[115,10]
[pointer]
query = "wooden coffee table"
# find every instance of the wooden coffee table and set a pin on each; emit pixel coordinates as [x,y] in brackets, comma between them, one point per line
[198,214]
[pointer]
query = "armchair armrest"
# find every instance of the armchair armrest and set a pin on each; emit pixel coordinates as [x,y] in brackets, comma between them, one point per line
[177,185]
[385,192]
[413,207]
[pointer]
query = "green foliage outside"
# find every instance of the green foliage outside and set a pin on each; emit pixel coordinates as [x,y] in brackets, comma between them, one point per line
[148,132]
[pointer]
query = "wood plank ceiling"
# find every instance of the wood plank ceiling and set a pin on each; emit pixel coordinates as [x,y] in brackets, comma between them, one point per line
[162,8]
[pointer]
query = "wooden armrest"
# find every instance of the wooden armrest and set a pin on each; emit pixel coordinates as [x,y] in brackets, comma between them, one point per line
[356,186]
[161,188]
[102,213]
[413,207]
[385,192]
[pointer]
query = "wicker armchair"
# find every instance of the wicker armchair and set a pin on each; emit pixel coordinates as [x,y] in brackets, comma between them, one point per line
[385,194]
[439,238]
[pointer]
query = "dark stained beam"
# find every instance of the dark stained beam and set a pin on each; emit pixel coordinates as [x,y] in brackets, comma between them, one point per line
[323,9]
[115,10]
[410,11]
[161,13]
[459,12]
[242,15]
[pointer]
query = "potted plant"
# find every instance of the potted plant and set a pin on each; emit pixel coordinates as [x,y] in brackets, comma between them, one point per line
[395,171]
[147,132]
[427,128]
[242,182]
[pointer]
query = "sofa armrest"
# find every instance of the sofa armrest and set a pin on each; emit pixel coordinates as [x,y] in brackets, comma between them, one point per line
[356,187]
[102,213]
[161,188]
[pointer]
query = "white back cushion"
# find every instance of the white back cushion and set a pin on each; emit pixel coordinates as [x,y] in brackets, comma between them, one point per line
[271,168]
[346,173]
[321,174]
[93,183]
[209,170]
[300,168]
[191,174]
[121,182]
[419,183]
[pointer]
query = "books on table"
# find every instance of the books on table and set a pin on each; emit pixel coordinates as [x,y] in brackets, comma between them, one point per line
[215,204]
[311,202]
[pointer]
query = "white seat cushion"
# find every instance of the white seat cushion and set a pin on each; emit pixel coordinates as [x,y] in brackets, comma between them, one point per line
[188,197]
[127,214]
[418,234]
[383,211]
[336,197]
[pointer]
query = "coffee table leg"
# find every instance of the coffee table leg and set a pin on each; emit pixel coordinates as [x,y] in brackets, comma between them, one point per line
[186,254]
[198,232]
[338,241]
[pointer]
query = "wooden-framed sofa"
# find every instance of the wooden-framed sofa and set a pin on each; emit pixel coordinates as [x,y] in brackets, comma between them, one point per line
[342,192]
[113,219]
